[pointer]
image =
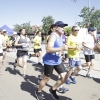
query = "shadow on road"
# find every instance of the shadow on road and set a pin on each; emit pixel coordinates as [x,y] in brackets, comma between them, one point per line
[40,68]
[14,72]
[28,87]
[11,63]
[96,80]
[29,61]
[34,80]
[37,67]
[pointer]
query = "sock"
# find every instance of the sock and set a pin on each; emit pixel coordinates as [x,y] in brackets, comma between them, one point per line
[73,76]
[24,75]
[61,86]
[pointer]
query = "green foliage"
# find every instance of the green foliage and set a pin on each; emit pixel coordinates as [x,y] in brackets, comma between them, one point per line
[90,16]
[47,22]
[68,30]
[27,27]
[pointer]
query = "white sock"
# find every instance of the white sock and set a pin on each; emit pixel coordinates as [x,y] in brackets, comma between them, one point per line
[73,76]
[61,86]
[24,75]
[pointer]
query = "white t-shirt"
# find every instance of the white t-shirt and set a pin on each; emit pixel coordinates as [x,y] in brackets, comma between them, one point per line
[1,51]
[89,41]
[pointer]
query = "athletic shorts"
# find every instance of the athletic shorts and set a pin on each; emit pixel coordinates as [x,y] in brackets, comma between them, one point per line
[4,50]
[1,54]
[66,55]
[37,50]
[21,53]
[74,62]
[88,58]
[48,69]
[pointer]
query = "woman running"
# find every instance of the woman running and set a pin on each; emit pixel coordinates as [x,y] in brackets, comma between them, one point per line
[22,51]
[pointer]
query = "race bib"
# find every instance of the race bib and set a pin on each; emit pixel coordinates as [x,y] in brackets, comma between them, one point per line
[58,53]
[76,59]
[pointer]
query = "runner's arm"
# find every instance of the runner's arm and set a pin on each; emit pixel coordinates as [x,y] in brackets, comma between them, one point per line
[50,45]
[16,42]
[84,44]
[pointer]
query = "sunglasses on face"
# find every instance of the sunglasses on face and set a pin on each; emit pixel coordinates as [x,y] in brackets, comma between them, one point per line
[76,30]
[92,31]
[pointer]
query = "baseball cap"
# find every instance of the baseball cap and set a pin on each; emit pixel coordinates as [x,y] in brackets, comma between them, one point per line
[60,23]
[4,30]
[15,33]
[91,29]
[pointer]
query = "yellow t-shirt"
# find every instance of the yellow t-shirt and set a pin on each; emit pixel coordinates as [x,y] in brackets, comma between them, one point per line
[37,42]
[5,40]
[73,41]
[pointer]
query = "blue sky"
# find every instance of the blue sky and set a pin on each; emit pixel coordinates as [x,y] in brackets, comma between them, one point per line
[21,11]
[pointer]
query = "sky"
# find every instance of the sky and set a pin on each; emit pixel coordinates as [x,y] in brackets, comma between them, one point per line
[21,11]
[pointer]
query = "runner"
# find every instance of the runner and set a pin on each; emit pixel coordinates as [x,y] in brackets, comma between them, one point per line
[88,43]
[52,60]
[73,55]
[1,53]
[6,43]
[22,51]
[37,47]
[40,77]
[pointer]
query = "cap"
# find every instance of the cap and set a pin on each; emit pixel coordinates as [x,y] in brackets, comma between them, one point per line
[60,23]
[14,32]
[4,30]
[91,29]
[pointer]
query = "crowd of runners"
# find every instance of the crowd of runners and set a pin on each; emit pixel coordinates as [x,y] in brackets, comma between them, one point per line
[60,47]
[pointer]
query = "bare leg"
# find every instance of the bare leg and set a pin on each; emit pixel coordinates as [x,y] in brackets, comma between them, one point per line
[0,64]
[60,81]
[77,70]
[91,66]
[43,83]
[24,64]
[40,56]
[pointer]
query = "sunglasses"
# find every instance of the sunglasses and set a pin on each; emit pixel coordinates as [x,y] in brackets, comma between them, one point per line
[76,30]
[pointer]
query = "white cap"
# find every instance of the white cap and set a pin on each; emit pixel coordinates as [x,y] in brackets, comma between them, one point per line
[14,32]
[4,30]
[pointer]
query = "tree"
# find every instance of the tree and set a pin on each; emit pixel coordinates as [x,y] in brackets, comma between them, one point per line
[47,22]
[90,16]
[27,27]
[68,30]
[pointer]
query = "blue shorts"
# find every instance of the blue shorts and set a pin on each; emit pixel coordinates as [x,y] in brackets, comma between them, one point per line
[74,62]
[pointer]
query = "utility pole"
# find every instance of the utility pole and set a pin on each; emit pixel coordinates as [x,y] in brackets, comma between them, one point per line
[75,9]
[88,3]
[89,11]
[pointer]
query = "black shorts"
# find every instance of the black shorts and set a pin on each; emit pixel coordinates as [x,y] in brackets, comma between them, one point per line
[48,69]
[1,54]
[21,53]
[88,58]
[37,50]
[66,55]
[4,50]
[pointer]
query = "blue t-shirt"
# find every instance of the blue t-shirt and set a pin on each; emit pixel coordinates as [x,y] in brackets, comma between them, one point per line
[54,58]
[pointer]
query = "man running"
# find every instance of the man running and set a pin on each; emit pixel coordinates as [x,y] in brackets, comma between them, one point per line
[74,48]
[88,43]
[1,53]
[6,43]
[52,60]
[37,47]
